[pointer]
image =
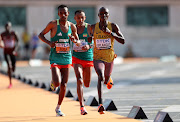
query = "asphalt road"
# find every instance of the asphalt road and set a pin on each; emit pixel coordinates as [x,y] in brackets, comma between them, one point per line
[154,86]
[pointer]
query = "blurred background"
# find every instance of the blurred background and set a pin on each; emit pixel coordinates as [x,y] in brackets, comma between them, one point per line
[151,27]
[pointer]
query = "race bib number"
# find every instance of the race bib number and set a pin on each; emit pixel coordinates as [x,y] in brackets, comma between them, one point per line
[103,43]
[9,43]
[62,47]
[79,48]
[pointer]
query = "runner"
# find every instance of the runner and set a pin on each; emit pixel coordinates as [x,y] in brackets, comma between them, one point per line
[82,57]
[60,55]
[104,33]
[9,41]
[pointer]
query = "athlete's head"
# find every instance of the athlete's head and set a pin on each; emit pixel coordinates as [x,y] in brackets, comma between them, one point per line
[8,26]
[103,14]
[80,17]
[63,12]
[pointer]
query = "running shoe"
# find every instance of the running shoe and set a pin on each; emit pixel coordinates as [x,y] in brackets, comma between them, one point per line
[101,109]
[53,88]
[110,83]
[83,111]
[10,86]
[59,112]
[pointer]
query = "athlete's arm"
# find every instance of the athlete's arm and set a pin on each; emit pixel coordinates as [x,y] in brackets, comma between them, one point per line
[45,31]
[116,33]
[16,46]
[74,37]
[74,31]
[91,30]
[1,42]
[87,47]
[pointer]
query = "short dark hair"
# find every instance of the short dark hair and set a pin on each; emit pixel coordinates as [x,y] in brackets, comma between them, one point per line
[62,6]
[8,24]
[78,11]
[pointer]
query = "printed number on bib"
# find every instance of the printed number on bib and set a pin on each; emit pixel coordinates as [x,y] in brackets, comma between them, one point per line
[62,47]
[9,43]
[79,48]
[103,43]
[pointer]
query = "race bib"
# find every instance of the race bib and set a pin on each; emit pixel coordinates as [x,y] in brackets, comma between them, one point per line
[79,48]
[103,43]
[62,47]
[9,43]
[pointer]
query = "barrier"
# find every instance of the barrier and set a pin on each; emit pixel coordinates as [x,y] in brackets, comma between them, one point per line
[162,117]
[109,105]
[137,113]
[91,101]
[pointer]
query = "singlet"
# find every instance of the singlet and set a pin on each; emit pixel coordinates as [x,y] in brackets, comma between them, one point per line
[103,44]
[61,54]
[9,41]
[78,52]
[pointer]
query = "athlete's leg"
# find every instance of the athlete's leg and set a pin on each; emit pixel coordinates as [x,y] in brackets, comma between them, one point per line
[78,72]
[9,67]
[108,71]
[55,76]
[13,62]
[99,68]
[64,80]
[87,76]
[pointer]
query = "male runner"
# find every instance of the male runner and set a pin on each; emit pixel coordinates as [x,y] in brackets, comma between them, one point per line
[60,55]
[82,57]
[9,41]
[104,33]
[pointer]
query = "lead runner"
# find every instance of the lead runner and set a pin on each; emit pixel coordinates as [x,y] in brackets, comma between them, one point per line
[60,55]
[104,33]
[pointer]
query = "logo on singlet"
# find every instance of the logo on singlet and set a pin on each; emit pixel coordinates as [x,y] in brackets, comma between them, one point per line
[85,35]
[59,34]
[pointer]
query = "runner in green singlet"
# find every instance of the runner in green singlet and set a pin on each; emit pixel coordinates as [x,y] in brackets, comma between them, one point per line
[60,55]
[82,57]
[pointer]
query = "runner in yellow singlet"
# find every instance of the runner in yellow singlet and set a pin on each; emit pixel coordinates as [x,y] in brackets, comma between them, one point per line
[104,33]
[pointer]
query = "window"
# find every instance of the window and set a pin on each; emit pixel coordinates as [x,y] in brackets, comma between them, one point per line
[16,15]
[89,11]
[147,15]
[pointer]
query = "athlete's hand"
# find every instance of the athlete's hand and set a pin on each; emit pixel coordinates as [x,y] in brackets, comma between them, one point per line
[72,38]
[106,30]
[86,47]
[90,39]
[52,44]
[15,53]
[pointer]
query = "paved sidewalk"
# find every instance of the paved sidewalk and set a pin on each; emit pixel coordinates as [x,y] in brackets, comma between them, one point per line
[24,103]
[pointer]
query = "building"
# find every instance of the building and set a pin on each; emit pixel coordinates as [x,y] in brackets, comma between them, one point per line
[151,27]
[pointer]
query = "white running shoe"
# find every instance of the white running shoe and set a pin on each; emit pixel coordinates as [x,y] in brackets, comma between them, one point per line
[59,112]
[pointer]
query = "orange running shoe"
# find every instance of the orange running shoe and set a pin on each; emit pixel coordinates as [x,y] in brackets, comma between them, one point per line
[83,111]
[110,83]
[101,109]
